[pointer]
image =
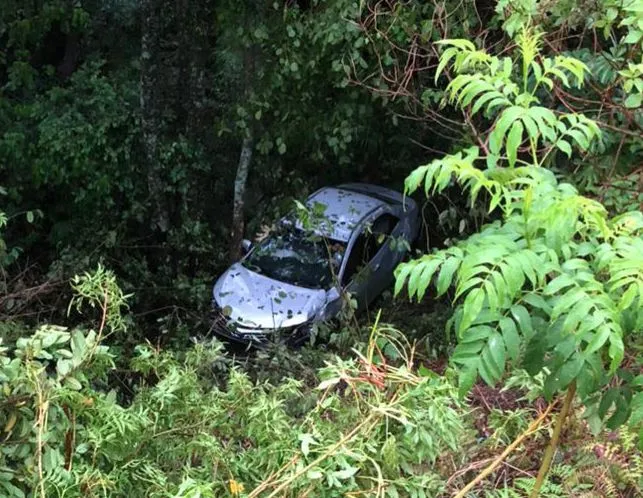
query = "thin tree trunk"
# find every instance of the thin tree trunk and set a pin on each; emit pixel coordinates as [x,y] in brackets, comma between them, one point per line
[245,157]
[150,118]
[240,181]
[553,443]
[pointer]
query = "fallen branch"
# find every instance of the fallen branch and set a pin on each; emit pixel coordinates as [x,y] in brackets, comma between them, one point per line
[284,484]
[530,430]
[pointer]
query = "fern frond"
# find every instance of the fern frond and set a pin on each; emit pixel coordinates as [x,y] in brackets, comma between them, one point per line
[438,174]
[464,88]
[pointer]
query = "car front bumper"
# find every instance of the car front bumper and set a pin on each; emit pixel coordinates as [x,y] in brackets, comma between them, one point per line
[222,326]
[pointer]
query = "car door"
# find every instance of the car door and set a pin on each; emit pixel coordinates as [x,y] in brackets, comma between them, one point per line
[370,264]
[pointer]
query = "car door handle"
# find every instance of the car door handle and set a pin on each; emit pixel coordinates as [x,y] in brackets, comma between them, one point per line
[376,266]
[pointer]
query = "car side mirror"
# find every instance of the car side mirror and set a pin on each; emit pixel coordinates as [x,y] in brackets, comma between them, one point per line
[332,294]
[246,245]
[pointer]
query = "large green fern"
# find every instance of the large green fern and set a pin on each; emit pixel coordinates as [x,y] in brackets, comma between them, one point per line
[556,285]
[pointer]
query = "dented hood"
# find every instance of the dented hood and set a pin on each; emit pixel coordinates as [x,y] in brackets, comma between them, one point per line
[255,301]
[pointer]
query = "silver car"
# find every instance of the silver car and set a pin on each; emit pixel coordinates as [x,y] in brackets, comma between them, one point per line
[296,276]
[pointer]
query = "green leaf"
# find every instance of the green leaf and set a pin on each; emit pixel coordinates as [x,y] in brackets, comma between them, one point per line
[428,270]
[569,371]
[506,119]
[345,473]
[537,301]
[492,295]
[534,357]
[633,36]
[608,399]
[73,383]
[314,474]
[306,441]
[599,338]
[514,140]
[466,352]
[565,303]
[616,351]
[510,336]
[527,265]
[621,413]
[414,278]
[628,297]
[484,99]
[633,100]
[580,138]
[576,315]
[63,367]
[492,360]
[445,278]
[513,275]
[481,332]
[500,287]
[78,345]
[473,89]
[401,275]
[472,306]
[558,284]
[466,379]
[464,286]
[637,405]
[521,315]
[531,127]
[448,54]
[495,354]
[565,147]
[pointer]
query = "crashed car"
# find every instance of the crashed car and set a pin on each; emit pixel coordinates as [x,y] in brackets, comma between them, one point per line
[296,276]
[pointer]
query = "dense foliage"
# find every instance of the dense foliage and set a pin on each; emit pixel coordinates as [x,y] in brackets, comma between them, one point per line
[196,426]
[137,138]
[555,282]
[192,423]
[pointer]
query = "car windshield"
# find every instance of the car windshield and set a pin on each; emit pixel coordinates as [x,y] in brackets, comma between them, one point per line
[295,257]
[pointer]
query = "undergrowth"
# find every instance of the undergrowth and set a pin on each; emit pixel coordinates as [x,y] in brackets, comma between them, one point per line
[199,423]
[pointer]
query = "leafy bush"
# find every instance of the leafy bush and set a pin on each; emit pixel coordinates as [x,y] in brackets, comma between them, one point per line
[195,426]
[556,285]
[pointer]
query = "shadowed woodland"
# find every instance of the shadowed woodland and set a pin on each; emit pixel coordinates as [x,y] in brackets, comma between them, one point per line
[142,140]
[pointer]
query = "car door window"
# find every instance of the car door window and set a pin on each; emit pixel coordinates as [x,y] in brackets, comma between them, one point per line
[368,244]
[382,228]
[359,255]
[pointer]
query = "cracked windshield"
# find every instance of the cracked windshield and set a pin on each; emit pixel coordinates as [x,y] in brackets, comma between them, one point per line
[298,258]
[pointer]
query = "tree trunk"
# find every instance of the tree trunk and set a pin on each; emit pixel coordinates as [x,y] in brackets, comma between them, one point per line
[553,443]
[245,158]
[240,182]
[150,116]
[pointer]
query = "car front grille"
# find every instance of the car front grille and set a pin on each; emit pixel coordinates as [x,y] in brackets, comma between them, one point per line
[223,326]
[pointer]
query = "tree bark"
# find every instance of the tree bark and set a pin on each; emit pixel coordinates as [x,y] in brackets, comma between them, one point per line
[553,443]
[245,158]
[240,181]
[150,115]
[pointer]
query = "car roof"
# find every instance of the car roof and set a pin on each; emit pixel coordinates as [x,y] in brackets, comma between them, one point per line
[345,209]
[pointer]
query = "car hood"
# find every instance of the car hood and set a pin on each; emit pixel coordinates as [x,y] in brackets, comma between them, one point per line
[255,301]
